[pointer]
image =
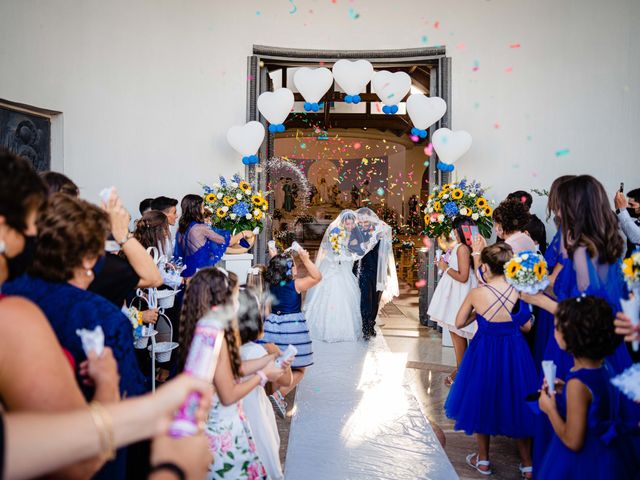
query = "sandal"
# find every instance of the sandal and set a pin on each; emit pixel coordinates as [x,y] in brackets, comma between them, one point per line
[279,405]
[478,464]
[526,472]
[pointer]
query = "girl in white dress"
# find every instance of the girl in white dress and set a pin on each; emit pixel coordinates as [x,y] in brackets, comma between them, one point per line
[257,407]
[453,287]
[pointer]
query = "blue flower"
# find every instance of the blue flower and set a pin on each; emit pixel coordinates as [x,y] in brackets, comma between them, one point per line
[462,184]
[223,181]
[207,189]
[236,178]
[240,209]
[450,209]
[336,230]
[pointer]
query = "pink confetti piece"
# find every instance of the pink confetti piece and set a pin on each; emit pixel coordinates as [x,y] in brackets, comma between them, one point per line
[461,46]
[508,70]
[514,45]
[496,125]
[421,283]
[436,25]
[428,150]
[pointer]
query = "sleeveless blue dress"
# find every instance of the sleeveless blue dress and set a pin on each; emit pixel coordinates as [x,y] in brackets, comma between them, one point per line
[611,289]
[604,455]
[286,324]
[495,376]
[206,256]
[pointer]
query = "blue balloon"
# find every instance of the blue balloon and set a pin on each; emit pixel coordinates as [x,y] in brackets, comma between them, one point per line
[422,134]
[445,167]
[385,109]
[394,108]
[307,106]
[356,99]
[273,128]
[250,160]
[281,128]
[348,99]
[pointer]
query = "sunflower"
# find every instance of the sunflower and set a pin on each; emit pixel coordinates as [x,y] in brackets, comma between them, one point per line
[446,187]
[427,219]
[244,186]
[442,193]
[481,202]
[437,207]
[257,200]
[210,198]
[627,267]
[540,270]
[488,211]
[512,268]
[456,194]
[257,214]
[229,201]
[221,213]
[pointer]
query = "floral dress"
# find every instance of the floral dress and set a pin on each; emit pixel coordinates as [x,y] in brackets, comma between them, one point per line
[231,443]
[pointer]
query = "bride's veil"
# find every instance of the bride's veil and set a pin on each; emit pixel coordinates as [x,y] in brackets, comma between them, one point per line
[341,239]
[380,232]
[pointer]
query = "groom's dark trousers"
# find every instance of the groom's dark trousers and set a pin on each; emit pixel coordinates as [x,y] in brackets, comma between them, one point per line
[369,296]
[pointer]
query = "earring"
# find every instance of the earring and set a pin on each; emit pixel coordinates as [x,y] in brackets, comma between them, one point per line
[89,273]
[3,246]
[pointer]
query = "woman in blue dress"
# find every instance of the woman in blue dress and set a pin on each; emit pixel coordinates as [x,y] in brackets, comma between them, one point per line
[497,371]
[197,243]
[584,409]
[591,249]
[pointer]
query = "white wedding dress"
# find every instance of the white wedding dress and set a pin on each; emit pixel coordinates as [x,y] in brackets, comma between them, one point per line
[332,308]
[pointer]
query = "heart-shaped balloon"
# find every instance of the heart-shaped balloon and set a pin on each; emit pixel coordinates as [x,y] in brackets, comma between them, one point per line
[391,88]
[246,139]
[425,111]
[313,83]
[276,106]
[450,145]
[352,76]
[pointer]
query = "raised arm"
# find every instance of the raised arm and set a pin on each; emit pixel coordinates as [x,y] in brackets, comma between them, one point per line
[314,277]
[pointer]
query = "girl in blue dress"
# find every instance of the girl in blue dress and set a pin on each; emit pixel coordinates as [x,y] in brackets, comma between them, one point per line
[591,248]
[584,409]
[497,371]
[286,324]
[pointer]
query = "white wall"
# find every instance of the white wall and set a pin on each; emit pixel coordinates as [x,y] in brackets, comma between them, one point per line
[149,87]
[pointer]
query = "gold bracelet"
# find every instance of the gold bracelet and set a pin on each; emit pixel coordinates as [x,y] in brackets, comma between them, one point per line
[104,425]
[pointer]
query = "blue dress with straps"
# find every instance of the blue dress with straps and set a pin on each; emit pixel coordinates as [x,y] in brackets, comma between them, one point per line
[495,376]
[604,455]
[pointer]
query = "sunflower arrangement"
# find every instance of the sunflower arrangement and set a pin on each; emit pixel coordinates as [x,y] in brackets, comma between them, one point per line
[527,272]
[631,270]
[452,200]
[235,206]
[336,237]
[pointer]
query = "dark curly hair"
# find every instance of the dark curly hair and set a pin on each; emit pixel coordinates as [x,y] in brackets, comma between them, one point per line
[586,323]
[60,183]
[21,190]
[250,319]
[191,207]
[496,256]
[588,219]
[512,215]
[279,269]
[69,230]
[208,288]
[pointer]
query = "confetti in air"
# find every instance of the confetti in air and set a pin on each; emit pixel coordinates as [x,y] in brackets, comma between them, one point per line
[514,45]
[421,283]
[295,9]
[353,14]
[562,153]
[424,39]
[508,70]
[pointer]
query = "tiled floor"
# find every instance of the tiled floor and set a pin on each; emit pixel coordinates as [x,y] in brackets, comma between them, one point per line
[428,363]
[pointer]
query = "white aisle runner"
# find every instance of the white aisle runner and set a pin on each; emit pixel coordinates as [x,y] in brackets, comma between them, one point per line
[355,417]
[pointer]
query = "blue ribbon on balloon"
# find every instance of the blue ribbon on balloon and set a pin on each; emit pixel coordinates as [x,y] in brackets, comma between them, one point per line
[250,160]
[352,99]
[445,167]
[276,128]
[312,107]
[390,109]
[419,133]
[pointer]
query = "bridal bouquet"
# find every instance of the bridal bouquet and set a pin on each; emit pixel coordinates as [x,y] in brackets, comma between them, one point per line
[527,272]
[235,206]
[336,237]
[631,271]
[453,200]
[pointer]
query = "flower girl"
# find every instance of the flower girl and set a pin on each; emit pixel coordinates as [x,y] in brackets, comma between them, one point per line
[497,372]
[452,289]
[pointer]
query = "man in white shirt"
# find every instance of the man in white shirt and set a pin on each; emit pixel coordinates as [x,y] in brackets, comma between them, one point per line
[628,211]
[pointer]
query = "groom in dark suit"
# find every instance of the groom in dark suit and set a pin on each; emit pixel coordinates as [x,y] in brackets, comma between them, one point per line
[366,269]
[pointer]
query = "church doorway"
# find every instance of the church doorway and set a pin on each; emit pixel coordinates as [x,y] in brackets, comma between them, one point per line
[346,155]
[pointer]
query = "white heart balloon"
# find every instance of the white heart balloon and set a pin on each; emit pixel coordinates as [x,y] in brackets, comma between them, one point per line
[246,139]
[450,145]
[391,88]
[276,106]
[425,111]
[313,83]
[352,76]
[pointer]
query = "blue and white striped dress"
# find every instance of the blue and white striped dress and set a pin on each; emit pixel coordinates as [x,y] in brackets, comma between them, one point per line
[286,324]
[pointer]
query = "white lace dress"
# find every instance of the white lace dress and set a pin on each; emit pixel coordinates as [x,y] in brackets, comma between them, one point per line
[332,308]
